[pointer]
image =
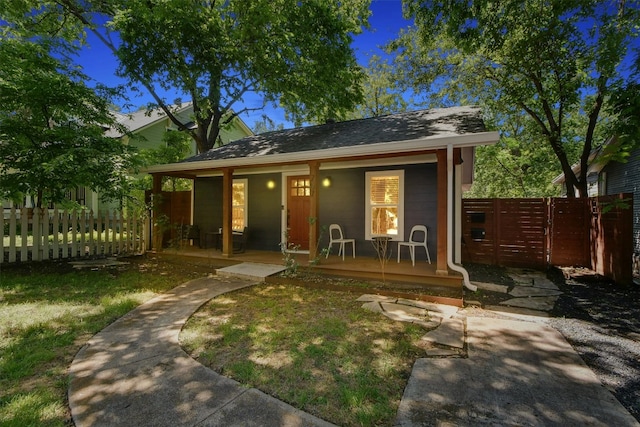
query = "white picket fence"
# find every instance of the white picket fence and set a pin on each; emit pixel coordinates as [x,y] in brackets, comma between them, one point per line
[43,234]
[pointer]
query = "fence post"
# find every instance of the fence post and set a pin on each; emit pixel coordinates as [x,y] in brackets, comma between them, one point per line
[114,229]
[65,234]
[99,228]
[56,233]
[74,234]
[92,246]
[12,235]
[24,230]
[120,232]
[36,235]
[134,234]
[82,229]
[44,227]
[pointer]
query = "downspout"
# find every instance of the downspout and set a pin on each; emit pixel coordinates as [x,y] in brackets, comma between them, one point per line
[450,264]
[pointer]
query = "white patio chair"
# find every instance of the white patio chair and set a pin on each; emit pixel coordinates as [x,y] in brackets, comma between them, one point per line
[416,232]
[336,236]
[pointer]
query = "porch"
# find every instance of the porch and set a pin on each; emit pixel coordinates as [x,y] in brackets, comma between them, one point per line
[398,276]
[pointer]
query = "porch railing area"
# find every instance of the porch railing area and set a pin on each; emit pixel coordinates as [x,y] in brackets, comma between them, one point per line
[42,234]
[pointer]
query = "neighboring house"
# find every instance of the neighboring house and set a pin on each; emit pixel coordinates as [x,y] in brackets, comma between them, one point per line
[374,177]
[607,177]
[595,183]
[149,128]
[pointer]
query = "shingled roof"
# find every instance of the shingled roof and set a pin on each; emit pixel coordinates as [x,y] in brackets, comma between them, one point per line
[409,126]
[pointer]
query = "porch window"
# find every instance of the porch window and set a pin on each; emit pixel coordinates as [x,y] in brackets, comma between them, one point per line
[239,211]
[385,204]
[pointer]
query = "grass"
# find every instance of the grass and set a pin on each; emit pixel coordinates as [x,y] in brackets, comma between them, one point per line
[47,312]
[317,350]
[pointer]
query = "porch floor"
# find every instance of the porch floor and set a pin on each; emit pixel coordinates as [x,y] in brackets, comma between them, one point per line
[361,267]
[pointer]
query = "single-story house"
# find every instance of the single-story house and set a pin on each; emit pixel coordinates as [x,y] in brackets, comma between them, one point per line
[374,177]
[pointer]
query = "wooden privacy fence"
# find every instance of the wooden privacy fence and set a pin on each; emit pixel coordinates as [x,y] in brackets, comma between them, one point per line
[588,232]
[42,234]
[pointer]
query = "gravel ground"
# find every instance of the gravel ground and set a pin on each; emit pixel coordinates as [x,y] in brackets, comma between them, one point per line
[600,320]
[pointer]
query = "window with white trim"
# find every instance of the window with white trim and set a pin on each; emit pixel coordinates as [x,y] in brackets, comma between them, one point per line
[384,214]
[239,209]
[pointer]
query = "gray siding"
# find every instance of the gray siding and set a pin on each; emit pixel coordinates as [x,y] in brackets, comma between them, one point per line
[625,178]
[342,203]
[264,212]
[263,208]
[207,203]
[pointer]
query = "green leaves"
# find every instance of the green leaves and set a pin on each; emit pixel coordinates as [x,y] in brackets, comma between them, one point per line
[52,128]
[556,61]
[295,53]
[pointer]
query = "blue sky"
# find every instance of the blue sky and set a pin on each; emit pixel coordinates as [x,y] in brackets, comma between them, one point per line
[386,21]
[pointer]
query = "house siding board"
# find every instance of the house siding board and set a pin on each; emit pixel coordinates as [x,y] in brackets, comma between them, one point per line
[264,212]
[150,138]
[263,209]
[344,203]
[233,133]
[420,203]
[625,177]
[207,201]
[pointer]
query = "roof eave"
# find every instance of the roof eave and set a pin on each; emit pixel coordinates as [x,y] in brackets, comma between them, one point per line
[396,147]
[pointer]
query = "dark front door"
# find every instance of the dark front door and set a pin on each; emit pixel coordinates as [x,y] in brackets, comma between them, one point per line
[298,210]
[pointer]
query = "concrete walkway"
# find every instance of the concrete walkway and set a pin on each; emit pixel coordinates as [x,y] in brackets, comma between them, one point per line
[134,372]
[516,373]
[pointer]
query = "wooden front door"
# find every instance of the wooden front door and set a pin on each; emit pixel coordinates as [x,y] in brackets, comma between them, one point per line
[298,211]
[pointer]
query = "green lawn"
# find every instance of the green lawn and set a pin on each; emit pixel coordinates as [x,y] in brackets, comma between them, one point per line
[315,349]
[318,350]
[47,312]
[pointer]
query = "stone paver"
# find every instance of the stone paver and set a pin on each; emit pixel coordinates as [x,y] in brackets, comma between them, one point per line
[532,291]
[534,303]
[401,309]
[378,298]
[372,306]
[503,289]
[544,283]
[449,333]
[250,271]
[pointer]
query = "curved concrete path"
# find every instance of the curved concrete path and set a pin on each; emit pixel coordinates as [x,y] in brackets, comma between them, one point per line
[134,373]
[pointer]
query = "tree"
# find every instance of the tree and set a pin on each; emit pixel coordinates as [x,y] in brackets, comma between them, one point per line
[52,126]
[175,147]
[294,53]
[266,125]
[382,93]
[557,62]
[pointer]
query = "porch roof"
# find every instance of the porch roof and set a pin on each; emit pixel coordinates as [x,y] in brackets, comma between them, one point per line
[395,134]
